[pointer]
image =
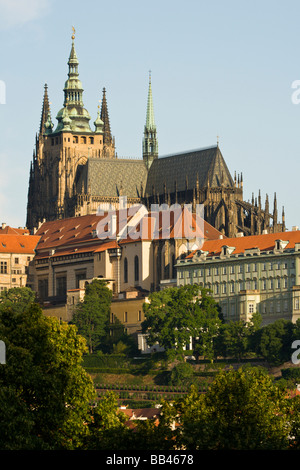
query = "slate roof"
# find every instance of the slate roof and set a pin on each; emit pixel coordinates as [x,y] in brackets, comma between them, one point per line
[113,177]
[207,163]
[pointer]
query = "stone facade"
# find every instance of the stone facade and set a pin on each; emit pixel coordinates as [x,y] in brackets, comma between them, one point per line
[16,253]
[249,274]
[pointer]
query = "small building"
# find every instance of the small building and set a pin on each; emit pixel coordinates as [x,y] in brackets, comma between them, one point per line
[17,249]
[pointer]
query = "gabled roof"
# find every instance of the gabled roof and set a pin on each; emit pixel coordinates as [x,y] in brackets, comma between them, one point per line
[207,164]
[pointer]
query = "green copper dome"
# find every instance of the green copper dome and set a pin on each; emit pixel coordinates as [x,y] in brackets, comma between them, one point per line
[73,91]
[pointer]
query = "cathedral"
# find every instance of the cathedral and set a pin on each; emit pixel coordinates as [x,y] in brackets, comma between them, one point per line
[75,168]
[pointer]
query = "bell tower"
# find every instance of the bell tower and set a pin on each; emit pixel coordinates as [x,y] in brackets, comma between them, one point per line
[62,152]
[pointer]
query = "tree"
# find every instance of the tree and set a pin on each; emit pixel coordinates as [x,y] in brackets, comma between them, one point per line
[175,315]
[92,314]
[273,342]
[106,429]
[235,337]
[211,321]
[242,410]
[45,393]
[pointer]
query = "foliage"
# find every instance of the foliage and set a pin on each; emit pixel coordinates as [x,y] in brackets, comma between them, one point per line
[175,315]
[106,429]
[242,410]
[235,337]
[92,314]
[181,374]
[273,342]
[45,393]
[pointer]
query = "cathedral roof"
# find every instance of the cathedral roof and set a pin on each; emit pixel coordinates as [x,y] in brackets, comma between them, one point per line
[113,177]
[208,165]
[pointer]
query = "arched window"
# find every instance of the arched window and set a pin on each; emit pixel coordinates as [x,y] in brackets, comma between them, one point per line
[125,270]
[136,268]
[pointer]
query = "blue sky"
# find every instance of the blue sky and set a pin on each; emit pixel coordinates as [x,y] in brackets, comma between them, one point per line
[218,68]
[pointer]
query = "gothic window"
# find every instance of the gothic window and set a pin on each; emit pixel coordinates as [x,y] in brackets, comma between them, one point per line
[125,270]
[136,269]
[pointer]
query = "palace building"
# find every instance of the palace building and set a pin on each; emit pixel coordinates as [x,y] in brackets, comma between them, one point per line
[75,168]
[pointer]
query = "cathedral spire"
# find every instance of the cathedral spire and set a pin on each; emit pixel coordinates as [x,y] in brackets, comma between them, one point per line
[150,145]
[73,100]
[45,109]
[107,139]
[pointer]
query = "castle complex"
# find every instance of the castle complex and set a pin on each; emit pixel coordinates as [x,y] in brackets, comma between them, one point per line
[76,168]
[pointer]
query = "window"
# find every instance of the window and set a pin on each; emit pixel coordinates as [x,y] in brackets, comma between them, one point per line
[61,286]
[217,288]
[216,271]
[224,288]
[139,315]
[136,268]
[278,283]
[251,308]
[125,317]
[232,287]
[240,268]
[271,284]
[43,289]
[248,285]
[79,277]
[297,303]
[285,282]
[224,270]
[285,305]
[126,270]
[278,306]
[247,268]
[16,260]
[208,271]
[232,269]
[3,267]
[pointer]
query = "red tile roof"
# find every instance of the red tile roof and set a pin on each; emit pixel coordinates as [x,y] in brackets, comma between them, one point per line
[263,242]
[66,235]
[18,243]
[14,231]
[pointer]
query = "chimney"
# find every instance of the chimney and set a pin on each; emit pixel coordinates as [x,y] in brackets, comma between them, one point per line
[3,225]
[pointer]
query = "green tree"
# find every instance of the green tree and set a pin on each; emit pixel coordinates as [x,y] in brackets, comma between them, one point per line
[45,393]
[106,429]
[92,314]
[273,342]
[175,315]
[235,337]
[242,410]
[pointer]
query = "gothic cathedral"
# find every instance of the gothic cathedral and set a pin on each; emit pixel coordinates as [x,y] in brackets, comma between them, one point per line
[75,168]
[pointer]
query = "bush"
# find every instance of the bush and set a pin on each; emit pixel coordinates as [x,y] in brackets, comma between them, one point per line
[182,374]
